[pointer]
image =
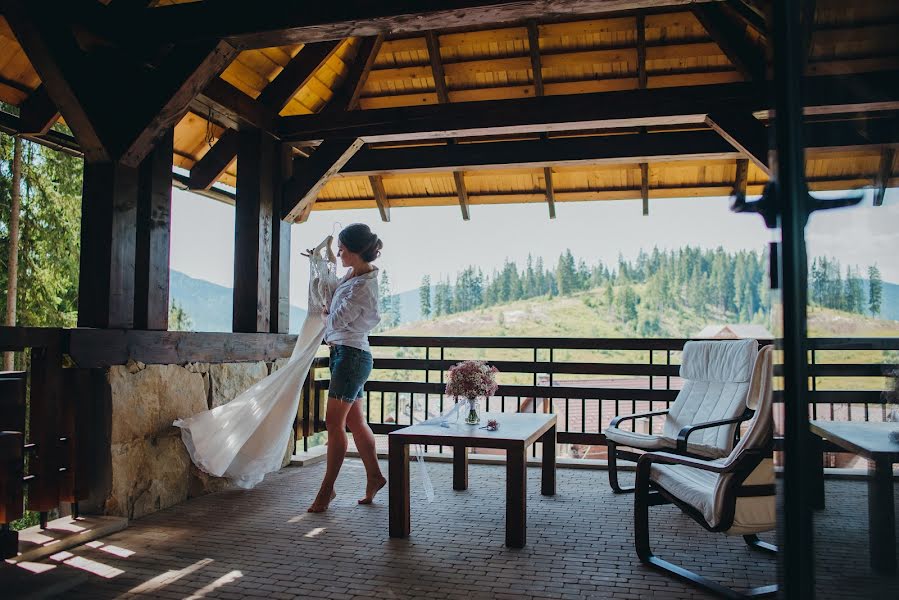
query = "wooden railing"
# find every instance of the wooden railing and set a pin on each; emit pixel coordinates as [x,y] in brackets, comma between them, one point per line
[589,391]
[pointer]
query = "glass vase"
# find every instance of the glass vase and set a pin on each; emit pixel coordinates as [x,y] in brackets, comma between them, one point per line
[471,412]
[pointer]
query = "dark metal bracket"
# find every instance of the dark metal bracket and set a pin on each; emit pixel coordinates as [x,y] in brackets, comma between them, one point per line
[767,205]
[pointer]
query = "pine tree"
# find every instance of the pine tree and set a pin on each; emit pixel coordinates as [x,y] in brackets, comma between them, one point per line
[179,320]
[389,304]
[875,289]
[424,296]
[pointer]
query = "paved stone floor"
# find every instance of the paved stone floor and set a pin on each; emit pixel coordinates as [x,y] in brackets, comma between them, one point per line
[263,544]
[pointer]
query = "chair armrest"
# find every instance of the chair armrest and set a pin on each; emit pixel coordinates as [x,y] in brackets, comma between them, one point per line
[685,433]
[676,459]
[634,417]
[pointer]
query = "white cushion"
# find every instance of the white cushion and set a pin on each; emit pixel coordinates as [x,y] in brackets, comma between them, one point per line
[725,361]
[704,401]
[693,486]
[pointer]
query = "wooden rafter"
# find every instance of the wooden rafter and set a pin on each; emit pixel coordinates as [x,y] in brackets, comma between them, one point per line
[38,112]
[311,174]
[550,191]
[232,108]
[534,51]
[433,43]
[347,96]
[644,187]
[377,186]
[459,178]
[730,36]
[642,76]
[883,175]
[745,133]
[741,179]
[750,15]
[167,96]
[208,169]
[297,73]
[54,54]
[630,108]
[274,97]
[267,23]
[809,8]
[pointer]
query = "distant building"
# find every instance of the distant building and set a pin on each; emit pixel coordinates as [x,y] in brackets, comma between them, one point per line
[735,332]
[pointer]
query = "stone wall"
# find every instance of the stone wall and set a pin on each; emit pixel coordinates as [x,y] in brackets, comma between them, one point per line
[150,468]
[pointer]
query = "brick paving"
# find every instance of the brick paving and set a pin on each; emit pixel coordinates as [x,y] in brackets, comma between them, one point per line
[262,544]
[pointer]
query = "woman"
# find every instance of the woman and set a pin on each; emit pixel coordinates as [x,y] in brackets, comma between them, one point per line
[352,314]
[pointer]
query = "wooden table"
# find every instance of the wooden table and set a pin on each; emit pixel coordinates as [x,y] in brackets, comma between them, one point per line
[517,431]
[872,441]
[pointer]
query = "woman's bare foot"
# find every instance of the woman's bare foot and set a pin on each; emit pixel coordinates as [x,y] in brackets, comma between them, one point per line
[320,504]
[372,488]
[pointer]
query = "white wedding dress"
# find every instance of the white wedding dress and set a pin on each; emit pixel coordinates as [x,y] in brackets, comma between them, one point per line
[247,437]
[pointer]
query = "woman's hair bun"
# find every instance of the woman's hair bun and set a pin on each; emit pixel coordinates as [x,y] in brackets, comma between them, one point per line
[360,239]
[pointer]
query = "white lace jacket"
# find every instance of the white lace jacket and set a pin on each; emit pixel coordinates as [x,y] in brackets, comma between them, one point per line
[354,311]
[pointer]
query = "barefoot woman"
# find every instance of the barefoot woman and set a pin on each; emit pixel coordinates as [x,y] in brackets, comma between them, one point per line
[353,313]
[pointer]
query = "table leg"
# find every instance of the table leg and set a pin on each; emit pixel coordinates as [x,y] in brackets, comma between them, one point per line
[882,517]
[398,473]
[516,497]
[460,468]
[816,477]
[548,471]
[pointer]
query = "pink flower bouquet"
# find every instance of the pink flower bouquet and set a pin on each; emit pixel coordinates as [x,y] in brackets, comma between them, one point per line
[471,379]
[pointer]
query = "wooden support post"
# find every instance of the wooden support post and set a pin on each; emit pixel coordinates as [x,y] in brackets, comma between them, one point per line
[459,178]
[154,224]
[280,290]
[644,187]
[742,177]
[44,421]
[377,186]
[311,174]
[550,191]
[108,242]
[882,182]
[257,160]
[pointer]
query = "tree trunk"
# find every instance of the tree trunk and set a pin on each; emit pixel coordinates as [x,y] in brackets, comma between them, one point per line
[13,275]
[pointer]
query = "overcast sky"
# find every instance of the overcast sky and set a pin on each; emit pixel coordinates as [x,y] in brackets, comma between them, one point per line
[436,240]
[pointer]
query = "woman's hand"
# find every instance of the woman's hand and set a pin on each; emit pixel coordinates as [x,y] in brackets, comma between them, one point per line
[309,252]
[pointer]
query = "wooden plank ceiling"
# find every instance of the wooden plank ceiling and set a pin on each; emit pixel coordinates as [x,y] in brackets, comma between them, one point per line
[652,50]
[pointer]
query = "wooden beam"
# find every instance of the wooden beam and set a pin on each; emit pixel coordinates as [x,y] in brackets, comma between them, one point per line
[745,133]
[742,177]
[311,174]
[381,199]
[297,73]
[750,15]
[254,210]
[572,151]
[165,97]
[809,8]
[601,110]
[267,23]
[38,113]
[347,96]
[437,67]
[550,191]
[208,169]
[534,51]
[730,36]
[233,107]
[281,233]
[644,187]
[108,239]
[54,54]
[154,224]
[459,178]
[881,183]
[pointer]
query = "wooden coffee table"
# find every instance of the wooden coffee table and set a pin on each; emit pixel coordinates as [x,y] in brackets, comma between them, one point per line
[871,440]
[517,431]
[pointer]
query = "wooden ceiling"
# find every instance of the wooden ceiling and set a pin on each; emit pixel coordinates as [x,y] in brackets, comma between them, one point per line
[631,51]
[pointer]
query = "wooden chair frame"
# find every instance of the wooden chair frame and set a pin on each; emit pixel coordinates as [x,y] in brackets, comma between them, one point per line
[649,493]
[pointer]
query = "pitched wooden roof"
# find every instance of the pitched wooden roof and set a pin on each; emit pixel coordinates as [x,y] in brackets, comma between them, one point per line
[659,48]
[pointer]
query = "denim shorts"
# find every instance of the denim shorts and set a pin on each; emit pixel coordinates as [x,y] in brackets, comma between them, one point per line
[350,368]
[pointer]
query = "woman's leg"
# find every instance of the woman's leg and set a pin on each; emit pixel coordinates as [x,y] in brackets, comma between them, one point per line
[365,444]
[335,421]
